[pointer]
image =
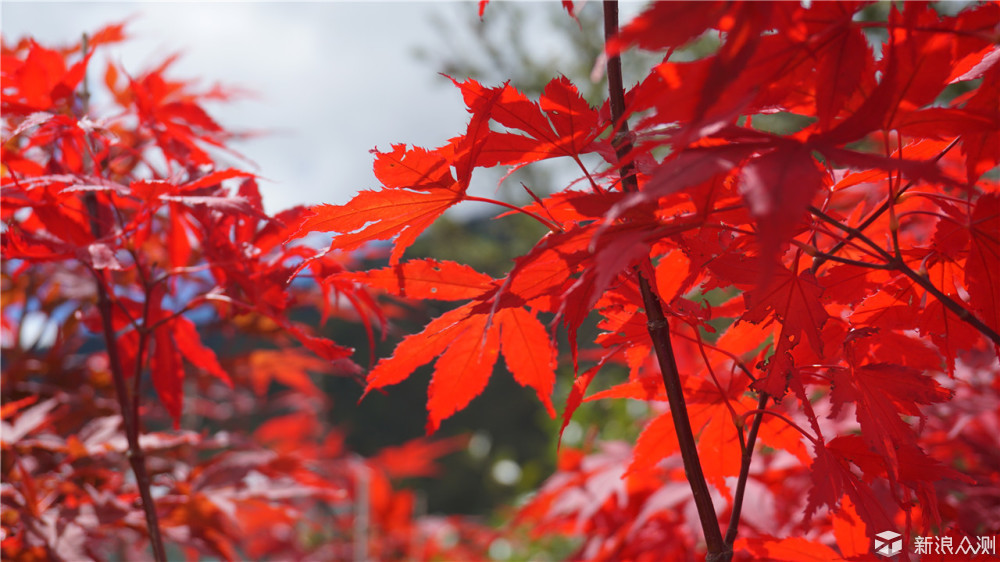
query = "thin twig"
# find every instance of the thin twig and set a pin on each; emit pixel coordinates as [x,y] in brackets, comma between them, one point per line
[741,483]
[896,263]
[881,209]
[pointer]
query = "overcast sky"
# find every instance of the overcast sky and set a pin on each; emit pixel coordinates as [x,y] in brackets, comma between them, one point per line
[333,80]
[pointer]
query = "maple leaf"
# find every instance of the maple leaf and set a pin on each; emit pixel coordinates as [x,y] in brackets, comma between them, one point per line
[467,345]
[379,215]
[778,186]
[426,279]
[560,124]
[420,189]
[794,300]
[832,479]
[881,394]
[290,367]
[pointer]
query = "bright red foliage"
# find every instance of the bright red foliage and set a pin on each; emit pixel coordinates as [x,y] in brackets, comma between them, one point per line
[124,227]
[817,216]
[857,248]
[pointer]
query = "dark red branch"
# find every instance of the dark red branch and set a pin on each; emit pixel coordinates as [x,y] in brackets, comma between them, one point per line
[136,457]
[659,329]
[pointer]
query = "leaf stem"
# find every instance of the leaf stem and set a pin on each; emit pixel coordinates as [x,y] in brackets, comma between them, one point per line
[815,440]
[586,172]
[548,224]
[659,328]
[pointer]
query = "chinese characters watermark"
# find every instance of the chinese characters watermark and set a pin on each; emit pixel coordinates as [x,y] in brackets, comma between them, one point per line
[890,543]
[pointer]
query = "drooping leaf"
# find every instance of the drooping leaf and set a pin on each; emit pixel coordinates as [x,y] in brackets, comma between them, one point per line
[657,441]
[418,349]
[832,478]
[168,374]
[528,352]
[881,394]
[982,272]
[467,345]
[462,371]
[187,340]
[778,186]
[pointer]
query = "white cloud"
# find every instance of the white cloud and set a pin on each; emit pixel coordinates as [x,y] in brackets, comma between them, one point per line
[334,80]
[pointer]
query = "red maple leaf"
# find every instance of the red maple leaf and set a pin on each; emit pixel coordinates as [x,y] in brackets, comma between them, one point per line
[467,345]
[380,215]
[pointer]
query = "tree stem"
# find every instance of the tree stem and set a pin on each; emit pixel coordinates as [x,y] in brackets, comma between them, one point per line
[659,328]
[129,418]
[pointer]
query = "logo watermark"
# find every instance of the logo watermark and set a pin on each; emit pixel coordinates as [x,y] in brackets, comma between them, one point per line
[890,543]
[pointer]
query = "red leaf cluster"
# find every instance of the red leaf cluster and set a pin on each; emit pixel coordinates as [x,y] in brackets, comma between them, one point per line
[841,262]
[123,230]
